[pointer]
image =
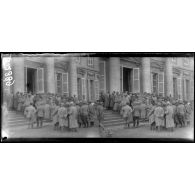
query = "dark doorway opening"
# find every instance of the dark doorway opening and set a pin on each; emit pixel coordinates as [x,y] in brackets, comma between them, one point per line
[31,80]
[127,79]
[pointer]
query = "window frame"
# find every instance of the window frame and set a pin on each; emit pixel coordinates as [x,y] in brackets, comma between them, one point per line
[42,80]
[90,62]
[138,90]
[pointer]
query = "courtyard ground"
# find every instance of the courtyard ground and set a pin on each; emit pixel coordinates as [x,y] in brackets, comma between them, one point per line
[143,131]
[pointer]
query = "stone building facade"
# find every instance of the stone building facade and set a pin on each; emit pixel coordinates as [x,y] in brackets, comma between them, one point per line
[85,77]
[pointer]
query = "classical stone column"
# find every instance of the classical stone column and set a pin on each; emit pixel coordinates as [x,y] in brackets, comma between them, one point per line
[146,71]
[114,74]
[169,77]
[18,68]
[73,77]
[50,74]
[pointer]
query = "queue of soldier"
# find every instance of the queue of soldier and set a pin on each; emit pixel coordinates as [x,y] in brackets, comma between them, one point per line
[68,113]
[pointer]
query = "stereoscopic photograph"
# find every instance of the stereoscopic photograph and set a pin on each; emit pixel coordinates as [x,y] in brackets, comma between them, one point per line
[97,96]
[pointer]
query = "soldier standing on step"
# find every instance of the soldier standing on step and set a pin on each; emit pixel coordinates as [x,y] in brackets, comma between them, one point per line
[100,112]
[126,113]
[136,113]
[40,114]
[30,113]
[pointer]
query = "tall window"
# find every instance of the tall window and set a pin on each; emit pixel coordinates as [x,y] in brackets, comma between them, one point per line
[179,87]
[65,83]
[187,90]
[62,83]
[90,62]
[158,83]
[40,80]
[136,81]
[161,84]
[155,83]
[59,83]
[97,90]
[84,90]
[102,76]
[175,88]
[79,87]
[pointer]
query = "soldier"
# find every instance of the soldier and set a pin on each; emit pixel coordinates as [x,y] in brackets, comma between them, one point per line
[91,114]
[181,113]
[136,113]
[152,118]
[126,113]
[73,125]
[175,115]
[169,113]
[112,100]
[30,113]
[62,114]
[100,112]
[188,113]
[47,111]
[79,114]
[159,116]
[84,114]
[107,100]
[55,115]
[40,114]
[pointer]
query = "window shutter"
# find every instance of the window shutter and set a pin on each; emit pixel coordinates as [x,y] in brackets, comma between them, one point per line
[25,79]
[56,89]
[97,90]
[65,83]
[179,87]
[191,90]
[83,88]
[40,80]
[184,89]
[102,76]
[161,84]
[151,81]
[89,89]
[136,80]
[121,78]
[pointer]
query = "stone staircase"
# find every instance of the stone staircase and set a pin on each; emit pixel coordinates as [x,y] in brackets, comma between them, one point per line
[112,119]
[15,119]
[115,119]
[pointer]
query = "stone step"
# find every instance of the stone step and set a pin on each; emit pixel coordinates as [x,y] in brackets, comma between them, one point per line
[18,124]
[16,121]
[16,117]
[111,118]
[113,121]
[114,124]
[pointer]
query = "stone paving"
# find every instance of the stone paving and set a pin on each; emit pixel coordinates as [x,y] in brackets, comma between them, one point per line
[143,131]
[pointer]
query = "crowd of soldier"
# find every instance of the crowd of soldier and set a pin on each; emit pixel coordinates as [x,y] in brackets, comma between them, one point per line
[66,113]
[161,112]
[70,113]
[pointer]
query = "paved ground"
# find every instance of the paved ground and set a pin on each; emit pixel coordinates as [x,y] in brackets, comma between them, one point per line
[48,132]
[144,132]
[118,132]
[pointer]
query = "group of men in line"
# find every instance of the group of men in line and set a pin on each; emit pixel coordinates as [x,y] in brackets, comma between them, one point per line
[66,113]
[69,113]
[161,112]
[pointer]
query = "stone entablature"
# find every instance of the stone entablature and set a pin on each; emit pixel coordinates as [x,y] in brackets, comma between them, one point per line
[62,65]
[33,64]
